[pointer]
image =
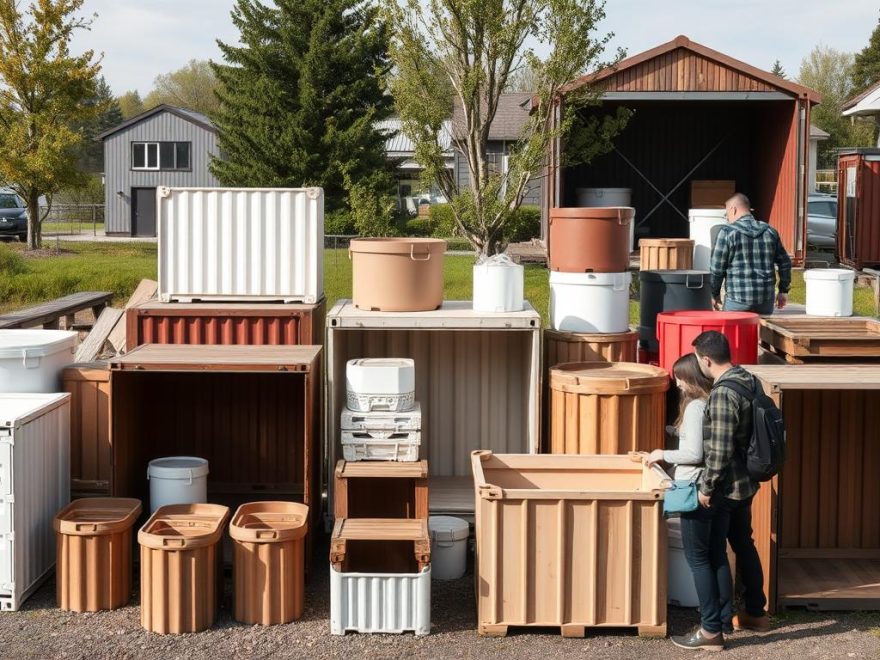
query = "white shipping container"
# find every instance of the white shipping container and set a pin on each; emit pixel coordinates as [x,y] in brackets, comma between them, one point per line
[380,602]
[34,486]
[241,244]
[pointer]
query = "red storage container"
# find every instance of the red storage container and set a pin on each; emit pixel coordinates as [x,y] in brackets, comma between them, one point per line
[676,332]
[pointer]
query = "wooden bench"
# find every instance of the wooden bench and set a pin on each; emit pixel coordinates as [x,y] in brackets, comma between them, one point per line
[49,314]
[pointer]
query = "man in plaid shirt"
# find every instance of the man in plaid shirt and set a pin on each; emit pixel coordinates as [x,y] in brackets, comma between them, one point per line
[725,513]
[744,260]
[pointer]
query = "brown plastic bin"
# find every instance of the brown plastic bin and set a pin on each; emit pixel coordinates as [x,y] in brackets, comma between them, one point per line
[397,274]
[269,563]
[93,542]
[666,254]
[607,408]
[570,541]
[181,578]
[91,464]
[590,239]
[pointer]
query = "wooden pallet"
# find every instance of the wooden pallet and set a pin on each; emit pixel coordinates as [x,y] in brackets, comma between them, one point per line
[800,339]
[570,630]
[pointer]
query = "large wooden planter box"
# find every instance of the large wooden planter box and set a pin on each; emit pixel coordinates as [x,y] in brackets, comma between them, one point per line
[571,541]
[816,525]
[800,339]
[478,382]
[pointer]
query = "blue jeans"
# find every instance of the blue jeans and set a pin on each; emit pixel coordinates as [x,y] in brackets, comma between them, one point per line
[704,536]
[764,308]
[748,563]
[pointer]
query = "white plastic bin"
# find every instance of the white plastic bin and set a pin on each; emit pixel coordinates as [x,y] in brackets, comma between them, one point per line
[449,537]
[681,590]
[829,291]
[32,360]
[702,221]
[596,197]
[177,480]
[381,446]
[380,423]
[387,384]
[380,602]
[498,285]
[589,302]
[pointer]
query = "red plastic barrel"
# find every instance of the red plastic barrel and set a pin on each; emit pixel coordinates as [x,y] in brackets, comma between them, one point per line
[676,332]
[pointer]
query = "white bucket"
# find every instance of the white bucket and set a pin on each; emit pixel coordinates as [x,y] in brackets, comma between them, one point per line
[829,291]
[448,547]
[498,285]
[589,302]
[594,197]
[177,480]
[681,590]
[32,360]
[702,221]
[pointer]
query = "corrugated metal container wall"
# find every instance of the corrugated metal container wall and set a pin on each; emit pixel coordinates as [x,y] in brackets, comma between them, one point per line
[244,244]
[858,204]
[241,324]
[380,603]
[120,178]
[34,486]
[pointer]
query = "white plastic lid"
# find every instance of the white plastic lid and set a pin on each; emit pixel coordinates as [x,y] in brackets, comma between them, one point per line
[18,408]
[705,214]
[382,363]
[37,343]
[840,274]
[448,528]
[177,467]
[591,279]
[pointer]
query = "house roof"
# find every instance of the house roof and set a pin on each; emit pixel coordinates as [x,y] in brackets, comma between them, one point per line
[510,116]
[192,116]
[817,133]
[705,52]
[866,103]
[398,144]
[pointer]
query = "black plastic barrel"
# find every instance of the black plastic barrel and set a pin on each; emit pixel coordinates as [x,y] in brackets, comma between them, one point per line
[669,291]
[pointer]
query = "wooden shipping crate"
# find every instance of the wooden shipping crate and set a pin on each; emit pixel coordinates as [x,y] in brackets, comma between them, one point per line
[381,489]
[802,339]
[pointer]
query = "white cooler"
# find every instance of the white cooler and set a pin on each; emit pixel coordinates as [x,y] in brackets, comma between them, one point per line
[380,384]
[702,221]
[589,302]
[32,360]
[829,291]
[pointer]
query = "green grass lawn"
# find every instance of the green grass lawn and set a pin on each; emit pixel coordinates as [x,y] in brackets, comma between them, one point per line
[118,267]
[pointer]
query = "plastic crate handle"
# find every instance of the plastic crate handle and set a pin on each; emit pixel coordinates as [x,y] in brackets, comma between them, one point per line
[412,254]
[29,361]
[174,543]
[267,534]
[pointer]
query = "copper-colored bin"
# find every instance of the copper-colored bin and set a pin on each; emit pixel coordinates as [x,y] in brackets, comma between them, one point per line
[181,562]
[93,539]
[594,239]
[666,254]
[269,564]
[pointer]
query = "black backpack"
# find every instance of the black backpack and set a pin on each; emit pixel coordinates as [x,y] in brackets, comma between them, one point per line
[766,451]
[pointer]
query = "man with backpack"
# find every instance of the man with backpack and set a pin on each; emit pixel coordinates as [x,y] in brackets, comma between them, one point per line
[743,443]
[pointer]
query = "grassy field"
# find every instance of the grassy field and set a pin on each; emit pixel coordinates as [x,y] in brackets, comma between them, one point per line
[53,228]
[118,267]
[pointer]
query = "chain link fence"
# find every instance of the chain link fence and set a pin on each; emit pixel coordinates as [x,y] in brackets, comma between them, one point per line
[73,218]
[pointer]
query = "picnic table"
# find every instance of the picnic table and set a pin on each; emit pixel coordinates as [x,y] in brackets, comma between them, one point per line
[49,314]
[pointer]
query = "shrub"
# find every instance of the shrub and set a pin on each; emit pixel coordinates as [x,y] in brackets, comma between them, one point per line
[418,227]
[11,263]
[524,224]
[339,222]
[442,221]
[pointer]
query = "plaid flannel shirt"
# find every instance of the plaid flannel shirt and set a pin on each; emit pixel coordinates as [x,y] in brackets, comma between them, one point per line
[727,432]
[745,258]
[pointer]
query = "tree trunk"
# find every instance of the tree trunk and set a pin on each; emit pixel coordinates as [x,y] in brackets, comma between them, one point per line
[35,234]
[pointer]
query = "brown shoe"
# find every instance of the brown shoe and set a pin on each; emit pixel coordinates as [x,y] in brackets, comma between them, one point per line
[744,621]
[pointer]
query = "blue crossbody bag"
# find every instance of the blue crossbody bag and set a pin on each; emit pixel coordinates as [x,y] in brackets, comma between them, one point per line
[681,496]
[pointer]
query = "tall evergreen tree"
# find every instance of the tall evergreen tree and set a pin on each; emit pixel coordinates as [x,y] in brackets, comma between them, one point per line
[866,66]
[108,114]
[777,69]
[300,95]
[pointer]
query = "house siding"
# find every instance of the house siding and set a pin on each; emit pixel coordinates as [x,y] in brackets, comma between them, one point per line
[494,150]
[118,175]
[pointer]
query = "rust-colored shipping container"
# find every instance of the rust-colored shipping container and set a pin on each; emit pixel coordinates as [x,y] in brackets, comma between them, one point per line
[381,489]
[607,408]
[571,541]
[858,207]
[91,447]
[94,543]
[666,254]
[232,323]
[816,524]
[802,339]
[269,561]
[251,411]
[181,567]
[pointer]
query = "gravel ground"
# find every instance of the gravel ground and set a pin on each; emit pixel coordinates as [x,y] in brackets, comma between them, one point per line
[41,630]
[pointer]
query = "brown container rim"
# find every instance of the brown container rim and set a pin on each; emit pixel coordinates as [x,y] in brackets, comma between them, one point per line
[82,368]
[608,378]
[218,357]
[665,242]
[622,213]
[184,526]
[269,522]
[407,246]
[610,337]
[95,516]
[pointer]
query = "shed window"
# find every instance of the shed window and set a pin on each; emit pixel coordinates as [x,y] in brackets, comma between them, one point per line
[160,156]
[145,156]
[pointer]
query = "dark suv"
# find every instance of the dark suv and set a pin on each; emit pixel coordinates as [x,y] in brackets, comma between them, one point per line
[13,216]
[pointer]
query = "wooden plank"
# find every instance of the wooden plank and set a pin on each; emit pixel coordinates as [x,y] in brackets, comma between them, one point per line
[50,312]
[94,343]
[145,290]
[184,357]
[817,377]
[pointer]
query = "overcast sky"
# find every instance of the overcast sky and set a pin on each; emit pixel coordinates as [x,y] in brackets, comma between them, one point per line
[143,38]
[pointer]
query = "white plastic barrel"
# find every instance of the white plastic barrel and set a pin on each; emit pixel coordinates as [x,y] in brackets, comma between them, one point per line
[449,537]
[32,360]
[681,590]
[589,302]
[177,480]
[498,285]
[829,291]
[593,197]
[702,221]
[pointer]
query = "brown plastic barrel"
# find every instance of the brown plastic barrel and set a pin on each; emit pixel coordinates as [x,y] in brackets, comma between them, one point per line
[607,408]
[666,254]
[594,240]
[269,565]
[181,559]
[397,274]
[93,539]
